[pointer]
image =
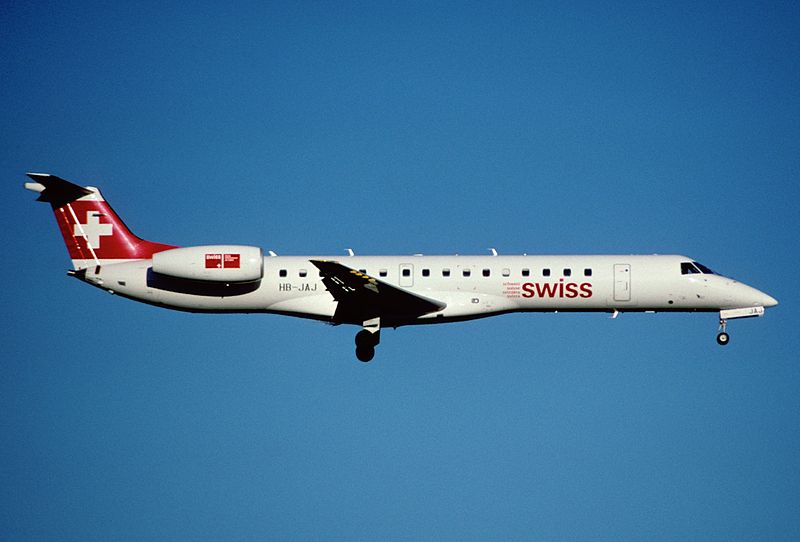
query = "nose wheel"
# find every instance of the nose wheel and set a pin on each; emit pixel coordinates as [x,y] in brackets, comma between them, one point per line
[722,337]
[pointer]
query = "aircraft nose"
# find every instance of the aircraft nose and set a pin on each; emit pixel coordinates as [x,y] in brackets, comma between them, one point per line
[768,300]
[747,296]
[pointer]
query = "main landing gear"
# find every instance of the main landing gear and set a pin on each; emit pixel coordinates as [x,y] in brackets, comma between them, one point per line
[367,339]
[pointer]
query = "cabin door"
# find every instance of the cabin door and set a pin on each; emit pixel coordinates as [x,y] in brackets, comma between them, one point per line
[622,282]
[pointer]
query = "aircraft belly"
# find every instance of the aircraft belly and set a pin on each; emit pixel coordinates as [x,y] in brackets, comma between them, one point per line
[556,304]
[320,305]
[461,304]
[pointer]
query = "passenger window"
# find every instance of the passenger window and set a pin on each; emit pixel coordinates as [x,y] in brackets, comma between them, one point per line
[282,273]
[526,272]
[587,272]
[506,272]
[545,272]
[567,272]
[466,272]
[426,272]
[445,272]
[383,272]
[406,272]
[486,272]
[303,272]
[362,271]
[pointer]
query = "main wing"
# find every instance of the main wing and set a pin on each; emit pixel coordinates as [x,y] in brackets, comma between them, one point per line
[362,297]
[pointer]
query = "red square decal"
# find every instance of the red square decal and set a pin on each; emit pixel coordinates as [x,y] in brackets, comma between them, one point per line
[213,261]
[231,261]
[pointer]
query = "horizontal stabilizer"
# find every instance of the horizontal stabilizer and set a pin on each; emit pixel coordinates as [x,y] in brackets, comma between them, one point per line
[55,190]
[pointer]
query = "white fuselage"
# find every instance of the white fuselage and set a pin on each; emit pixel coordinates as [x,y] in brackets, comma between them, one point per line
[470,286]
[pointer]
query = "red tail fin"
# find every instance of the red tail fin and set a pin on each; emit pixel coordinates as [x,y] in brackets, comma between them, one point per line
[93,232]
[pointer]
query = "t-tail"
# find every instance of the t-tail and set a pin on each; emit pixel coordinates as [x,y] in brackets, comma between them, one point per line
[93,232]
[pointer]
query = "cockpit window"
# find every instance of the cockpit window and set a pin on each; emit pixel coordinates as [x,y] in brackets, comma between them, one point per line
[692,268]
[688,268]
[703,268]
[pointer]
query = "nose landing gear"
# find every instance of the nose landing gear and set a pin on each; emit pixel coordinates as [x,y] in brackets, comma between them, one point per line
[726,314]
[722,337]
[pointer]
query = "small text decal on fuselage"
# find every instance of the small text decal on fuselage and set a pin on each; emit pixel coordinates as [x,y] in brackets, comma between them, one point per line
[302,287]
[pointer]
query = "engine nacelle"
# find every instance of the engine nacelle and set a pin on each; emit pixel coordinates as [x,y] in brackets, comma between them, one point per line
[217,263]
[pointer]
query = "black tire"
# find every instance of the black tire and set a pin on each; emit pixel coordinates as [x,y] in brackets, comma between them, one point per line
[365,339]
[365,353]
[723,339]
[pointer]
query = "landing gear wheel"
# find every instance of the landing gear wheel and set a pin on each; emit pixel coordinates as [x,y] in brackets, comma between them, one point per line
[365,353]
[366,339]
[723,339]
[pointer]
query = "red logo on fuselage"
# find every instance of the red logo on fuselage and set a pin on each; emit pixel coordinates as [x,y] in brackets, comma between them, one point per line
[569,290]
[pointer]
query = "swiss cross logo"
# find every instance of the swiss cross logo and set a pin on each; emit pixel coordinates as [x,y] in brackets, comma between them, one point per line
[222,261]
[93,229]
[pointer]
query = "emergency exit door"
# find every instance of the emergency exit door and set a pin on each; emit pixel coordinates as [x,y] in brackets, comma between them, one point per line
[622,282]
[406,275]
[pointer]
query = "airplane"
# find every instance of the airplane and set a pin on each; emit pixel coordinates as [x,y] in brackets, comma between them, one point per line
[374,292]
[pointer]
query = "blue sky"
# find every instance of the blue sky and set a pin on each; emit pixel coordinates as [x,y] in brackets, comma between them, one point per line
[446,128]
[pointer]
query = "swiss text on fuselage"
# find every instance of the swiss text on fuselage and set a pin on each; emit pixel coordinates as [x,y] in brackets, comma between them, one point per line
[569,290]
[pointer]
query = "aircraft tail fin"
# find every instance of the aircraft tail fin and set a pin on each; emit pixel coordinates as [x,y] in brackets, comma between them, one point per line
[93,232]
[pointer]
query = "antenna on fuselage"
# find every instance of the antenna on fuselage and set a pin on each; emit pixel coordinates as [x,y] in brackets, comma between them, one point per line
[494,251]
[350,252]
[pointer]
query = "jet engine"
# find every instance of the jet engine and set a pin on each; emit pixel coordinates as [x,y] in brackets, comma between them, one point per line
[216,263]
